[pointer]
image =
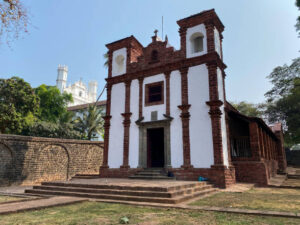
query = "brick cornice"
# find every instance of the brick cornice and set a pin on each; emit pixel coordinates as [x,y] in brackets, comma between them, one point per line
[210,58]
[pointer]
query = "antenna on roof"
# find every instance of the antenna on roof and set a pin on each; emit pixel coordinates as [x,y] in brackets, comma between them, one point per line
[162,27]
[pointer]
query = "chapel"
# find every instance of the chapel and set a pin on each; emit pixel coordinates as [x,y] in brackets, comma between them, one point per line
[166,109]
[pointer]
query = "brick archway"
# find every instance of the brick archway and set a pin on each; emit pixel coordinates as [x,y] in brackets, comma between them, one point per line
[53,163]
[6,164]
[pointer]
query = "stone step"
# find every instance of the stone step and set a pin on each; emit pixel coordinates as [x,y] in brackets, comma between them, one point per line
[129,188]
[174,200]
[124,192]
[143,177]
[85,176]
[152,173]
[293,176]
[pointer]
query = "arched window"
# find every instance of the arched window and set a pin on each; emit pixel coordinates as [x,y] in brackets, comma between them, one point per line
[120,62]
[197,42]
[80,93]
[154,55]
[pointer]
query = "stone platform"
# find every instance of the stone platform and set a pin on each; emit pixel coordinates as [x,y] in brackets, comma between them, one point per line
[154,191]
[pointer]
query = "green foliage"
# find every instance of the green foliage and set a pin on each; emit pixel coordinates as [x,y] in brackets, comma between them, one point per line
[53,104]
[287,109]
[90,122]
[248,109]
[298,19]
[18,105]
[282,78]
[52,130]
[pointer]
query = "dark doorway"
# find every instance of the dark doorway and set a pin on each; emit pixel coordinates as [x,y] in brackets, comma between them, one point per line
[155,143]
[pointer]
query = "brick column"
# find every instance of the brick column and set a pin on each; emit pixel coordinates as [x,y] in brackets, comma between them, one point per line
[215,113]
[182,33]
[261,142]
[281,152]
[167,76]
[126,123]
[106,118]
[254,141]
[185,118]
[141,80]
[210,37]
[221,45]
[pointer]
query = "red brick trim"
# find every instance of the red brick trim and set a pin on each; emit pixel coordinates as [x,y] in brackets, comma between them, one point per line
[126,124]
[167,76]
[185,118]
[136,73]
[141,80]
[147,87]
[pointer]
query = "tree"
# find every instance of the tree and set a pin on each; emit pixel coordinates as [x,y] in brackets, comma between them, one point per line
[298,19]
[287,109]
[18,105]
[248,109]
[53,104]
[90,122]
[282,78]
[13,19]
[105,56]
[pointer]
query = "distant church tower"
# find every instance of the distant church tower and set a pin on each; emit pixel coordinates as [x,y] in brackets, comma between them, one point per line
[81,94]
[62,75]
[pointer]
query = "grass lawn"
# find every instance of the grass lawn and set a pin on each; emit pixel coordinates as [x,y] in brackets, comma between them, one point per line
[4,198]
[276,199]
[104,213]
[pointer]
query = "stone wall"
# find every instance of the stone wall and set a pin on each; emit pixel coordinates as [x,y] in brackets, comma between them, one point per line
[26,160]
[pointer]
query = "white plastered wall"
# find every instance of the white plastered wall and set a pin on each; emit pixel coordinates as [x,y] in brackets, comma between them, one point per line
[117,69]
[134,129]
[223,121]
[201,142]
[217,41]
[116,135]
[161,109]
[190,31]
[176,125]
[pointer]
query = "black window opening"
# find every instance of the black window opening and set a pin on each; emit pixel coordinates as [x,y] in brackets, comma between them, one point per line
[154,55]
[155,94]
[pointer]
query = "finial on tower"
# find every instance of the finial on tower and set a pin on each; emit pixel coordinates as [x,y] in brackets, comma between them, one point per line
[155,32]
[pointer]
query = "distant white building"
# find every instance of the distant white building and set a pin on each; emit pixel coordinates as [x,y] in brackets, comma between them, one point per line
[81,94]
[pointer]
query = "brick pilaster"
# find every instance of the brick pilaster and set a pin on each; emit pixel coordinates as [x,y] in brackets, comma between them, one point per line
[126,123]
[254,141]
[182,33]
[107,119]
[185,118]
[215,113]
[141,80]
[167,76]
[210,36]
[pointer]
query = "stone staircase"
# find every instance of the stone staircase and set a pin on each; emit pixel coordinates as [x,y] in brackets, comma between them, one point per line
[124,193]
[151,174]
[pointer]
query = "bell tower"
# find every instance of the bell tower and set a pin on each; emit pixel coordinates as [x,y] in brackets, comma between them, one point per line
[62,75]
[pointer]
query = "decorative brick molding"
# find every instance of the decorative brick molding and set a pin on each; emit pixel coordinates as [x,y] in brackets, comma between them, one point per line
[210,37]
[30,160]
[172,62]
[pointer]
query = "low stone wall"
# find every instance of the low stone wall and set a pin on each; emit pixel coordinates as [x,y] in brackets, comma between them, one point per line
[257,172]
[27,160]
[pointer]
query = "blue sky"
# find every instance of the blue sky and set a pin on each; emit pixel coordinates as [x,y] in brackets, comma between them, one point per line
[259,35]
